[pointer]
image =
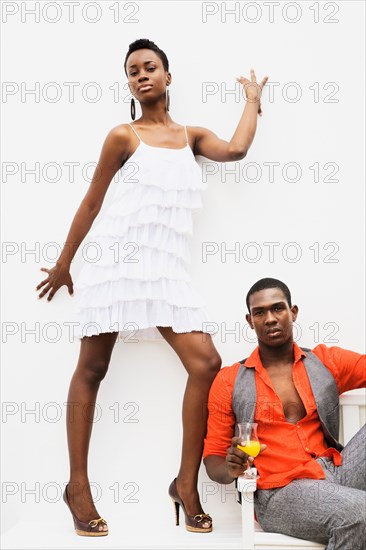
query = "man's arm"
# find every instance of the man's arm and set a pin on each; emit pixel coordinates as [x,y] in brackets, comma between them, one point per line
[348,367]
[217,470]
[221,419]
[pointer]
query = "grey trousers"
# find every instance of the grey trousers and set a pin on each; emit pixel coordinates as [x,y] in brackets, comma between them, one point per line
[331,511]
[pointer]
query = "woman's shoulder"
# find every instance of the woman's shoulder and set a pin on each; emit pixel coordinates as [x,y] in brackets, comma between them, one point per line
[120,135]
[197,131]
[118,142]
[121,130]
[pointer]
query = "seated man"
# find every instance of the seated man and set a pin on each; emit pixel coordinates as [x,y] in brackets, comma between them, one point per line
[310,487]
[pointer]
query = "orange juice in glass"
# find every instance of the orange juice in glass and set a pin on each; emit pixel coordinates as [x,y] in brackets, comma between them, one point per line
[248,437]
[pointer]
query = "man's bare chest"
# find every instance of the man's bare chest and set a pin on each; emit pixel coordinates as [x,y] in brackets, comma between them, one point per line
[284,386]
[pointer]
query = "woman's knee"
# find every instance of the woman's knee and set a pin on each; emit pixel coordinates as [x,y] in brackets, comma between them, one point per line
[94,369]
[95,355]
[215,362]
[97,369]
[207,367]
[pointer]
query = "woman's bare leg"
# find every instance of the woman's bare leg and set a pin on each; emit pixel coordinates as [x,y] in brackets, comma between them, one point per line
[202,362]
[93,362]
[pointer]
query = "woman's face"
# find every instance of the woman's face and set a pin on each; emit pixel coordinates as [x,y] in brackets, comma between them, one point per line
[146,75]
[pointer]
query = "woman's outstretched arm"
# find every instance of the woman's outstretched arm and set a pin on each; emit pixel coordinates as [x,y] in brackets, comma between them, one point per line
[212,147]
[113,154]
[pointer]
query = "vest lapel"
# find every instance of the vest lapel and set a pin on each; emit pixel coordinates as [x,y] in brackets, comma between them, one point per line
[326,397]
[323,386]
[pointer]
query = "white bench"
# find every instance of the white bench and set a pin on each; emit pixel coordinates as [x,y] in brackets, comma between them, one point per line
[352,417]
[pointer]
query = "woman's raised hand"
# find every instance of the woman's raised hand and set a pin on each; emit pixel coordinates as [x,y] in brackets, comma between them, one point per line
[57,277]
[253,90]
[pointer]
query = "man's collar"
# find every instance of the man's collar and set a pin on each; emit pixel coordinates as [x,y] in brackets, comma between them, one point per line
[254,359]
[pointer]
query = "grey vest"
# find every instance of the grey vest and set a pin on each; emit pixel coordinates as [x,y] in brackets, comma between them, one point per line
[324,389]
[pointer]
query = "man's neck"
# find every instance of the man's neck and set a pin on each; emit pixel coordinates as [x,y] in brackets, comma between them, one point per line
[271,356]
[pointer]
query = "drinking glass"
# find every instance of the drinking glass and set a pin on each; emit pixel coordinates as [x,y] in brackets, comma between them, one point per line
[249,443]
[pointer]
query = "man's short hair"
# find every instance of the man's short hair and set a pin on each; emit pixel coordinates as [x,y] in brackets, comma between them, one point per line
[268,282]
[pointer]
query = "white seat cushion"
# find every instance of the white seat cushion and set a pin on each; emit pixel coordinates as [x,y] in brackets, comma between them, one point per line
[264,540]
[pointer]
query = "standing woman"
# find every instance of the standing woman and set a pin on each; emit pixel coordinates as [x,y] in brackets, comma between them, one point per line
[141,281]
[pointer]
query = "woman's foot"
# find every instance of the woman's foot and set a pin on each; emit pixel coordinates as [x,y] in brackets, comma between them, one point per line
[188,498]
[80,502]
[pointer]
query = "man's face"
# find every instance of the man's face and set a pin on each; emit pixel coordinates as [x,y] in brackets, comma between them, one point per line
[271,317]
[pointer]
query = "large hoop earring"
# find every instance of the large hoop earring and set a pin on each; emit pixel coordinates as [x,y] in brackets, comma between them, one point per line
[133,109]
[167,99]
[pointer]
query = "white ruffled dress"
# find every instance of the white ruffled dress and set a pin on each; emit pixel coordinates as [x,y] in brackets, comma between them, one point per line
[139,279]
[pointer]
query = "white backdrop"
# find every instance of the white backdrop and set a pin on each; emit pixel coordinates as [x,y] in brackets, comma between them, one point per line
[292,209]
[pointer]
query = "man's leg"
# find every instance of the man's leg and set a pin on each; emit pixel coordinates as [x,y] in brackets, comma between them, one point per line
[352,472]
[317,510]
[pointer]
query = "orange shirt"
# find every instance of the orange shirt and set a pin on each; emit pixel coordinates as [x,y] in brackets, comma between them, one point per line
[291,448]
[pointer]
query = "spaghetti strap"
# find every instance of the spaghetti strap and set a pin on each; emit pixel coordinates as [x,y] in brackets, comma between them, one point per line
[185,129]
[134,131]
